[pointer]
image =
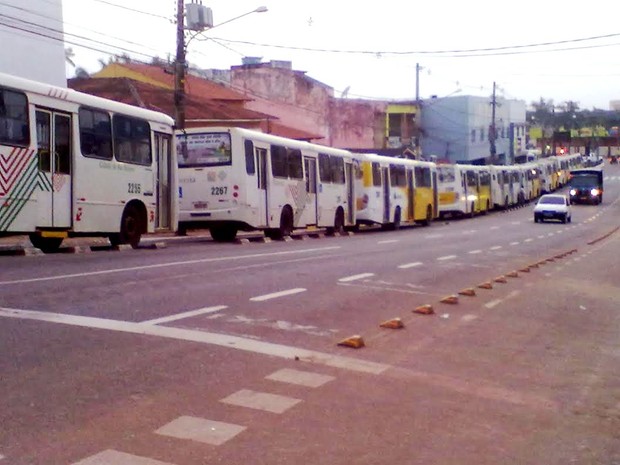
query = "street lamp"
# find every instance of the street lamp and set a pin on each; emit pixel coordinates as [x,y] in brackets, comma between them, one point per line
[179,68]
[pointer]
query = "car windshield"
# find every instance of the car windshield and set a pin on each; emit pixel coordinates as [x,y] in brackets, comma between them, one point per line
[582,181]
[552,200]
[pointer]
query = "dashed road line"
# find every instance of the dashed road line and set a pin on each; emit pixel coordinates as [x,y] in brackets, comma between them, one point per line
[493,303]
[300,378]
[496,247]
[446,257]
[529,239]
[355,277]
[515,243]
[181,316]
[265,401]
[390,241]
[409,265]
[275,295]
[118,458]
[473,252]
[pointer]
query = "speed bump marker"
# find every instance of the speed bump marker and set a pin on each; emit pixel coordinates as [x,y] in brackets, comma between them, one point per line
[486,285]
[550,260]
[500,279]
[424,309]
[451,299]
[525,270]
[512,274]
[394,323]
[468,292]
[355,342]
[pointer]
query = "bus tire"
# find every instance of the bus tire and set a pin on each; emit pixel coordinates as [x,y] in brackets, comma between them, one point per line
[286,225]
[223,233]
[45,244]
[397,219]
[132,225]
[339,221]
[429,216]
[472,211]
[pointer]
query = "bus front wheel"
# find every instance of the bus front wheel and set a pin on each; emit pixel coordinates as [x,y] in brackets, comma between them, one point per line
[286,225]
[223,233]
[131,228]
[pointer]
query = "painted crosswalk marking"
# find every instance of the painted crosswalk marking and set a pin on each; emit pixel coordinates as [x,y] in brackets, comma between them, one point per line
[202,430]
[261,401]
[108,457]
[301,378]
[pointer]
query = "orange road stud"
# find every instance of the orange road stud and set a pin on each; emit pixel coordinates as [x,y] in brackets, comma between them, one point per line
[500,279]
[550,260]
[451,299]
[512,274]
[424,309]
[559,256]
[394,323]
[534,265]
[525,270]
[486,285]
[355,342]
[468,292]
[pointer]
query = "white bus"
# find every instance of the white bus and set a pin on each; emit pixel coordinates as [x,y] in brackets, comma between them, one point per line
[464,189]
[233,179]
[395,191]
[74,164]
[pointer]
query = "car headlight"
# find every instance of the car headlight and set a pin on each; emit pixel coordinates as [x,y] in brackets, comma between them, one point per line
[594,192]
[573,192]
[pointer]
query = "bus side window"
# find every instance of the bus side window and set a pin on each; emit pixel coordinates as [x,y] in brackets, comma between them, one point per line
[325,173]
[376,174]
[250,167]
[14,129]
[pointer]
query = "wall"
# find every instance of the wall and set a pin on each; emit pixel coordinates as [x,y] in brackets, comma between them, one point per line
[357,124]
[24,51]
[298,100]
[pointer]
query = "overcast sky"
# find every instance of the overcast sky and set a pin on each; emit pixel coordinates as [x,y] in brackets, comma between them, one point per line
[462,47]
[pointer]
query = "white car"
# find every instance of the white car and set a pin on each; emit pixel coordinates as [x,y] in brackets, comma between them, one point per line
[553,207]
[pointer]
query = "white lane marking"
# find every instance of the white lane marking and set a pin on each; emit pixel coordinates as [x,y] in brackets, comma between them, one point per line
[468,318]
[369,286]
[165,265]
[273,403]
[355,277]
[181,316]
[493,303]
[515,222]
[117,458]
[409,265]
[202,337]
[300,378]
[433,236]
[496,247]
[529,239]
[541,236]
[515,243]
[275,295]
[494,227]
[470,231]
[446,257]
[513,294]
[391,241]
[550,234]
[474,251]
[202,430]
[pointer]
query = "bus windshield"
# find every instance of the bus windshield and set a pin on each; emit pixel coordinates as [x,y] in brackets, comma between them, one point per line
[204,149]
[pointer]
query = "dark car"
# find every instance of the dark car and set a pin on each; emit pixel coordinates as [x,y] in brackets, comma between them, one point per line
[586,186]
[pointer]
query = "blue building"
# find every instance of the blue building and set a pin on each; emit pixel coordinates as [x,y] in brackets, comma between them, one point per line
[460,128]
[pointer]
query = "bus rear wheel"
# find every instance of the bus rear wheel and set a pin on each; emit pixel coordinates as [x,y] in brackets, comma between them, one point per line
[429,216]
[223,233]
[338,223]
[45,244]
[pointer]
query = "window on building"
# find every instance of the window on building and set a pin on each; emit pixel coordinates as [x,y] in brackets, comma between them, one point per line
[481,134]
[473,135]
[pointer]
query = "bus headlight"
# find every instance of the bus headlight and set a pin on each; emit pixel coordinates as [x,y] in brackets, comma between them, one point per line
[471,197]
[573,192]
[594,192]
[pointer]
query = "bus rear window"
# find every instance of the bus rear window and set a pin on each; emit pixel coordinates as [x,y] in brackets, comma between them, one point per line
[204,149]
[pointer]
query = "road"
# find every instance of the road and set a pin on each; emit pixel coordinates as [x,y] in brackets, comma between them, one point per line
[204,353]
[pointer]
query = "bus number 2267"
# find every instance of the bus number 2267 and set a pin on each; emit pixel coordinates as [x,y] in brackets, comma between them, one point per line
[218,190]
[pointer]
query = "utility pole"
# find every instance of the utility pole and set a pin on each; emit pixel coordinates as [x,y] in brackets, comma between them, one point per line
[179,69]
[417,109]
[493,129]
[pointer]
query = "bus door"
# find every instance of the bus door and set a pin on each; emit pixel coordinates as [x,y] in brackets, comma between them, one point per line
[309,212]
[350,180]
[385,179]
[263,205]
[54,154]
[163,214]
[410,196]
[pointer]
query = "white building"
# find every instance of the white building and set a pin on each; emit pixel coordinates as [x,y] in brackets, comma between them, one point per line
[457,129]
[31,34]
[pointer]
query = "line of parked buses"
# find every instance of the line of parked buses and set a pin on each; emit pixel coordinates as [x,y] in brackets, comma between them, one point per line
[73,164]
[233,179]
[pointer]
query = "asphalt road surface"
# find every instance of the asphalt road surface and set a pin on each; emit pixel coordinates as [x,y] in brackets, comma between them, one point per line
[206,353]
